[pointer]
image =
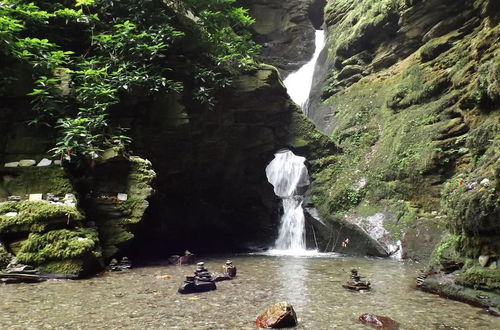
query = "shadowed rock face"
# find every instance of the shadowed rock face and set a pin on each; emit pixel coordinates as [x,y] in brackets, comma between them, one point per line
[285,30]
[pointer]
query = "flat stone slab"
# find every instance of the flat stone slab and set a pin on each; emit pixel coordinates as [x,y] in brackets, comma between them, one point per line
[27,162]
[11,214]
[11,164]
[44,162]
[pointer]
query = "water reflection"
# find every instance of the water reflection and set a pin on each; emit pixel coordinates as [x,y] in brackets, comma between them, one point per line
[293,275]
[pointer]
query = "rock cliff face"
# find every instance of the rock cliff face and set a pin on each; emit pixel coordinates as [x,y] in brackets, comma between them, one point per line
[409,91]
[285,30]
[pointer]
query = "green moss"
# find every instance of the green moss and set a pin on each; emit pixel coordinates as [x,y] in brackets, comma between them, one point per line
[446,249]
[36,216]
[65,267]
[4,257]
[434,48]
[49,179]
[486,91]
[479,278]
[59,245]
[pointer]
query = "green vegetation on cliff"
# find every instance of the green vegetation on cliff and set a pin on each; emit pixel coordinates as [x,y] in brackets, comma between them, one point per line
[88,55]
[411,95]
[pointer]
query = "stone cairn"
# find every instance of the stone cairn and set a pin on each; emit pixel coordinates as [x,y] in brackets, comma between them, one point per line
[117,266]
[355,282]
[201,281]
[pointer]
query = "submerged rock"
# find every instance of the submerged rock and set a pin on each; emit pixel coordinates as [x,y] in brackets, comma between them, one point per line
[378,322]
[280,315]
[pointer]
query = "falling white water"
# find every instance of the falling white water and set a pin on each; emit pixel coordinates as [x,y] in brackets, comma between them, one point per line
[287,172]
[298,83]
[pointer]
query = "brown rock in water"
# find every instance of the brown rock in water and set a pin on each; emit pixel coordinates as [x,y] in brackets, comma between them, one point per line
[280,315]
[378,322]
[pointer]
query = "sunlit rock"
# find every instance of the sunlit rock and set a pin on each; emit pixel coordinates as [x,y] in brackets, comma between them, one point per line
[280,315]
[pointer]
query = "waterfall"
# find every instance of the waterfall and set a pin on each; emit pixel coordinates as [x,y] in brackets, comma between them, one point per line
[287,173]
[298,83]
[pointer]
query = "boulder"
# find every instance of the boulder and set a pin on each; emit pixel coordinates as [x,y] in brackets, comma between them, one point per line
[378,322]
[280,315]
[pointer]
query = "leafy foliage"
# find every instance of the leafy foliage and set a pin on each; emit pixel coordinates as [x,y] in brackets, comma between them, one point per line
[88,55]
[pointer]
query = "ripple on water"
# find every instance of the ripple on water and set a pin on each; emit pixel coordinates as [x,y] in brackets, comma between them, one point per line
[145,298]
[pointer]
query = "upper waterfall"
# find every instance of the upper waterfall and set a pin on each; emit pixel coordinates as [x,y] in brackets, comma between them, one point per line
[298,83]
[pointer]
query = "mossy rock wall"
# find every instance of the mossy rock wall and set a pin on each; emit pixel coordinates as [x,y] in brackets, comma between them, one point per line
[409,91]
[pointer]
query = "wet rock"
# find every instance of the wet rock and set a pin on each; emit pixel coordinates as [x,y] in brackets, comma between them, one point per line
[192,285]
[229,269]
[280,315]
[219,277]
[27,162]
[187,259]
[378,322]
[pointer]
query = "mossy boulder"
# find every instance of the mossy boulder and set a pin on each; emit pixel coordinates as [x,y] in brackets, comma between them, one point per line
[36,216]
[480,278]
[5,257]
[40,180]
[62,252]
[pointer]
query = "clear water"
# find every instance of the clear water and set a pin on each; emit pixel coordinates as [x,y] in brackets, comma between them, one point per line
[143,298]
[287,172]
[298,83]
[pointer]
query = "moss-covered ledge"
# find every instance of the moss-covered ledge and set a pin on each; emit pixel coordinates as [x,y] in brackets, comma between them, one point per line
[445,285]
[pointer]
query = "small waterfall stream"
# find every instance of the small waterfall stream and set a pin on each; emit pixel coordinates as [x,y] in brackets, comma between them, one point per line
[288,174]
[298,83]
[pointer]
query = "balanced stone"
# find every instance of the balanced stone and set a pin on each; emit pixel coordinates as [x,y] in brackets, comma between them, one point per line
[355,283]
[44,162]
[27,162]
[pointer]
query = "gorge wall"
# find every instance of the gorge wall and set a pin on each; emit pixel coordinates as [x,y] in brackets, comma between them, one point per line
[409,90]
